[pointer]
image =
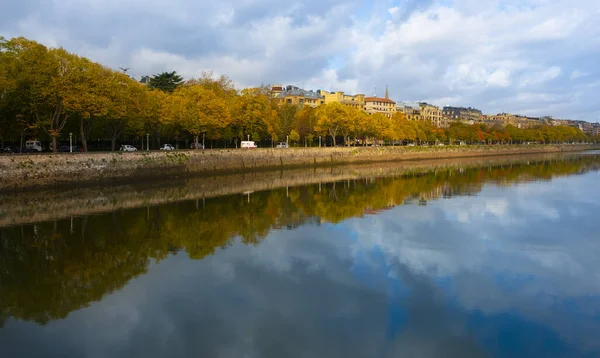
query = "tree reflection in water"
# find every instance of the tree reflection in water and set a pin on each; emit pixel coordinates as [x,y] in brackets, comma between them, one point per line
[50,269]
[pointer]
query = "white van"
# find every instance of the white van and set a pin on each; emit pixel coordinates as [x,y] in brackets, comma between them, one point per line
[248,144]
[33,144]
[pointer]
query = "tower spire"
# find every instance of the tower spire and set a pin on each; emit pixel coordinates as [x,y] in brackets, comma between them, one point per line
[386,92]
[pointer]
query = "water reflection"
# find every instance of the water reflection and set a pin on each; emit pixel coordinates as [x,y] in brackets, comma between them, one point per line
[331,269]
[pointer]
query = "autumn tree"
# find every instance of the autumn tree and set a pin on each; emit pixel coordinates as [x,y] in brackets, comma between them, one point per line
[197,109]
[288,116]
[294,136]
[8,114]
[91,101]
[254,115]
[331,118]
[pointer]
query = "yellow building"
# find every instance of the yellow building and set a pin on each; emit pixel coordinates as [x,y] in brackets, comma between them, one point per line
[356,101]
[276,90]
[411,110]
[299,97]
[384,106]
[433,114]
[516,120]
[380,105]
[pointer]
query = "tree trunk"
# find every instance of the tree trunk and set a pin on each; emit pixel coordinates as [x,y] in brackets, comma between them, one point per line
[54,148]
[83,137]
[196,142]
[157,136]
[113,143]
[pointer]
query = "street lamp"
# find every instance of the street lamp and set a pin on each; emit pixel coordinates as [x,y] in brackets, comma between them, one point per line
[70,142]
[203,141]
[147,142]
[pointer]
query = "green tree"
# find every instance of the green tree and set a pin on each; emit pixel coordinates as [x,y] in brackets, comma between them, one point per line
[165,81]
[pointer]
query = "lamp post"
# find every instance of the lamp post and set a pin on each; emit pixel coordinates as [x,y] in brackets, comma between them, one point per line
[203,145]
[248,137]
[319,141]
[287,140]
[70,142]
[147,142]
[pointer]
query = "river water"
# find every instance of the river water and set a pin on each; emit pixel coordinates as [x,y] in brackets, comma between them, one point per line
[492,259]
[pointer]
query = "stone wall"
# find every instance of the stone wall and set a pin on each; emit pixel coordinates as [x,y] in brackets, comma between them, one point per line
[19,171]
[22,207]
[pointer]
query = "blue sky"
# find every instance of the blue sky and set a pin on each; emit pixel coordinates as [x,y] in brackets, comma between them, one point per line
[534,57]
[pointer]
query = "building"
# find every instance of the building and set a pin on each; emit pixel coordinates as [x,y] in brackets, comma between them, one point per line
[299,97]
[461,113]
[380,105]
[276,90]
[433,114]
[411,110]
[384,105]
[356,101]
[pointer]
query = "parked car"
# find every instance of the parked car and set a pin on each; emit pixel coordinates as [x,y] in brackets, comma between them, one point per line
[127,148]
[441,144]
[193,146]
[35,145]
[167,147]
[11,149]
[67,149]
[282,145]
[411,144]
[247,144]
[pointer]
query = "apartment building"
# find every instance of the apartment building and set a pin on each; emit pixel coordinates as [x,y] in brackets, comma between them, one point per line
[355,101]
[297,96]
[433,114]
[411,110]
[384,105]
[467,114]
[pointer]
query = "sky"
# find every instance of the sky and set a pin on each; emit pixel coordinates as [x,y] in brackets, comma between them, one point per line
[531,57]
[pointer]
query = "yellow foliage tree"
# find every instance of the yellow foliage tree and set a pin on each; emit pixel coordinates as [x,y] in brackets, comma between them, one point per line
[197,109]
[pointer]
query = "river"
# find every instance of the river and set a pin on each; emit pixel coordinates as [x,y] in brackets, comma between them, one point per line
[466,258]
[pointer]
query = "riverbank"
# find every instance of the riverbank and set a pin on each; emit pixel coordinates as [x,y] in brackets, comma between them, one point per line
[38,171]
[24,207]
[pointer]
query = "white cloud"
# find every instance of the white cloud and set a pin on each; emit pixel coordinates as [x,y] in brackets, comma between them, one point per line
[576,74]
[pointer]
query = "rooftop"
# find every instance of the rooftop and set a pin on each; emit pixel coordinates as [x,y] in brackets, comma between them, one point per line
[379,99]
[406,104]
[299,92]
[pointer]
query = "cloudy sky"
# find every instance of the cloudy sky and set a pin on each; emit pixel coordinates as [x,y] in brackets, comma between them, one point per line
[534,57]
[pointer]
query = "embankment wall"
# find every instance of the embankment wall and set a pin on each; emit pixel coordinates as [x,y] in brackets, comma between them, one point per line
[21,172]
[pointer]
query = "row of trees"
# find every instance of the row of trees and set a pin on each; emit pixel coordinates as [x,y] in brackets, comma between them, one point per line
[46,93]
